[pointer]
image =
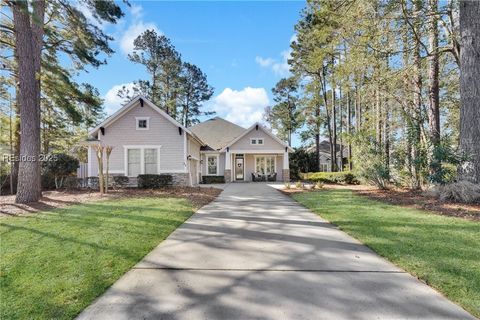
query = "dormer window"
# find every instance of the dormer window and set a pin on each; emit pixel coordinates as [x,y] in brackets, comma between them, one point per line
[256,141]
[142,123]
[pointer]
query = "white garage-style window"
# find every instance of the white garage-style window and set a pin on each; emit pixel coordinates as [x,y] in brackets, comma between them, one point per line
[265,164]
[142,160]
[142,123]
[212,165]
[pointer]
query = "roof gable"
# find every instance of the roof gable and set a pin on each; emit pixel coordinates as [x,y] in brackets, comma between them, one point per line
[259,127]
[126,108]
[217,132]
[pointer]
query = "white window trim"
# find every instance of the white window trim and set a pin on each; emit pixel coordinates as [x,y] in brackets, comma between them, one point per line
[142,118]
[142,157]
[206,164]
[256,141]
[265,162]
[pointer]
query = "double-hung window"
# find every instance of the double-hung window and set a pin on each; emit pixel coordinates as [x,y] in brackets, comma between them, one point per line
[142,160]
[134,162]
[212,165]
[151,161]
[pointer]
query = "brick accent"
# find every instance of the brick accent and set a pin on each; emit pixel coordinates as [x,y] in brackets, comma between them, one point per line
[228,175]
[286,175]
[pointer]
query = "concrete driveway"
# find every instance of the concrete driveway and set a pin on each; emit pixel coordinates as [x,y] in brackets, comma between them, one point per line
[254,253]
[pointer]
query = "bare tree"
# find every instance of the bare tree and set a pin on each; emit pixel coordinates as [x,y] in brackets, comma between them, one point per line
[98,148]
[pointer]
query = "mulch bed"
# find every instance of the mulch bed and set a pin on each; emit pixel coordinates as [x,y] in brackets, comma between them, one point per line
[419,200]
[58,199]
[407,198]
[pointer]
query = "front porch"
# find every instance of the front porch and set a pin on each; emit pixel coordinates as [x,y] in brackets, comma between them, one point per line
[253,166]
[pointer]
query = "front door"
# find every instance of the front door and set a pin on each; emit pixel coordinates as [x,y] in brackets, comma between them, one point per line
[239,170]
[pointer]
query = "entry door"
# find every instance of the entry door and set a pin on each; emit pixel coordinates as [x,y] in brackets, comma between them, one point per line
[239,169]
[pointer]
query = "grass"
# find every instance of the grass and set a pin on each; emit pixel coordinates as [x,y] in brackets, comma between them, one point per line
[442,251]
[54,264]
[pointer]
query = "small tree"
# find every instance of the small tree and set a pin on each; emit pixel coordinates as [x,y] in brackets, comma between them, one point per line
[98,148]
[60,166]
[108,152]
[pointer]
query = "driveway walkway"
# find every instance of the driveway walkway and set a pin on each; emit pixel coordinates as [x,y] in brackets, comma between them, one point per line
[254,253]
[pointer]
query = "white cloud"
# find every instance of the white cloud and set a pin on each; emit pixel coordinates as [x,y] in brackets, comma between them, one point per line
[136,11]
[279,66]
[137,27]
[112,101]
[243,107]
[264,62]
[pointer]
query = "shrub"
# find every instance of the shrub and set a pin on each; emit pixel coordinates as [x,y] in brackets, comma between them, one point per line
[48,181]
[287,185]
[301,161]
[213,179]
[121,181]
[4,184]
[92,182]
[331,177]
[60,166]
[318,185]
[72,182]
[462,191]
[154,180]
[298,184]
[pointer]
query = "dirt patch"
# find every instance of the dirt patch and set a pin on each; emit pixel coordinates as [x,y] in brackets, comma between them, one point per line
[59,199]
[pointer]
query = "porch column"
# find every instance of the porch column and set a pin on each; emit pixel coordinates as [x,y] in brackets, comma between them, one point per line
[228,166]
[286,166]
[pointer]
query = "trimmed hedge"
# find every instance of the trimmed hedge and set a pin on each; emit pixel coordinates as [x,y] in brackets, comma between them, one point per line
[154,180]
[330,177]
[121,181]
[213,179]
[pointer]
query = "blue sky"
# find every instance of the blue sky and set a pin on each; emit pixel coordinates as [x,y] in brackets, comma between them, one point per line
[242,46]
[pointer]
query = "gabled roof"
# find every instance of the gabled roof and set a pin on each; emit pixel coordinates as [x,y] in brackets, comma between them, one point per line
[324,147]
[267,131]
[123,110]
[217,132]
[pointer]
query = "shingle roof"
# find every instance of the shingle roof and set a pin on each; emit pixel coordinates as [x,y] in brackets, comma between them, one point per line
[217,132]
[324,147]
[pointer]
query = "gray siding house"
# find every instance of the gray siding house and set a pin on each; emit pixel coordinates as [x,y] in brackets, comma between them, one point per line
[146,140]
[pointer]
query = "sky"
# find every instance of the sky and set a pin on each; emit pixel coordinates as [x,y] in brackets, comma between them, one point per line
[242,46]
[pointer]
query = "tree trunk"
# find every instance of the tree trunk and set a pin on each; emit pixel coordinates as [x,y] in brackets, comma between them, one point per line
[349,128]
[470,89]
[334,131]
[28,41]
[433,90]
[417,105]
[16,143]
[341,129]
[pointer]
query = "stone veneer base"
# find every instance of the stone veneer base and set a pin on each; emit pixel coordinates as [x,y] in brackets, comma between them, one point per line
[228,175]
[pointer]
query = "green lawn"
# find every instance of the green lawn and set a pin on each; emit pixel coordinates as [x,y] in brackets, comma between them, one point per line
[53,264]
[442,251]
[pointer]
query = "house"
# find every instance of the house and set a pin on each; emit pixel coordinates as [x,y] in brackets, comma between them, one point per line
[325,156]
[146,140]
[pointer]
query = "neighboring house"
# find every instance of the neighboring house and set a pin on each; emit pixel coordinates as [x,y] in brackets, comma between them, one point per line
[146,140]
[324,150]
